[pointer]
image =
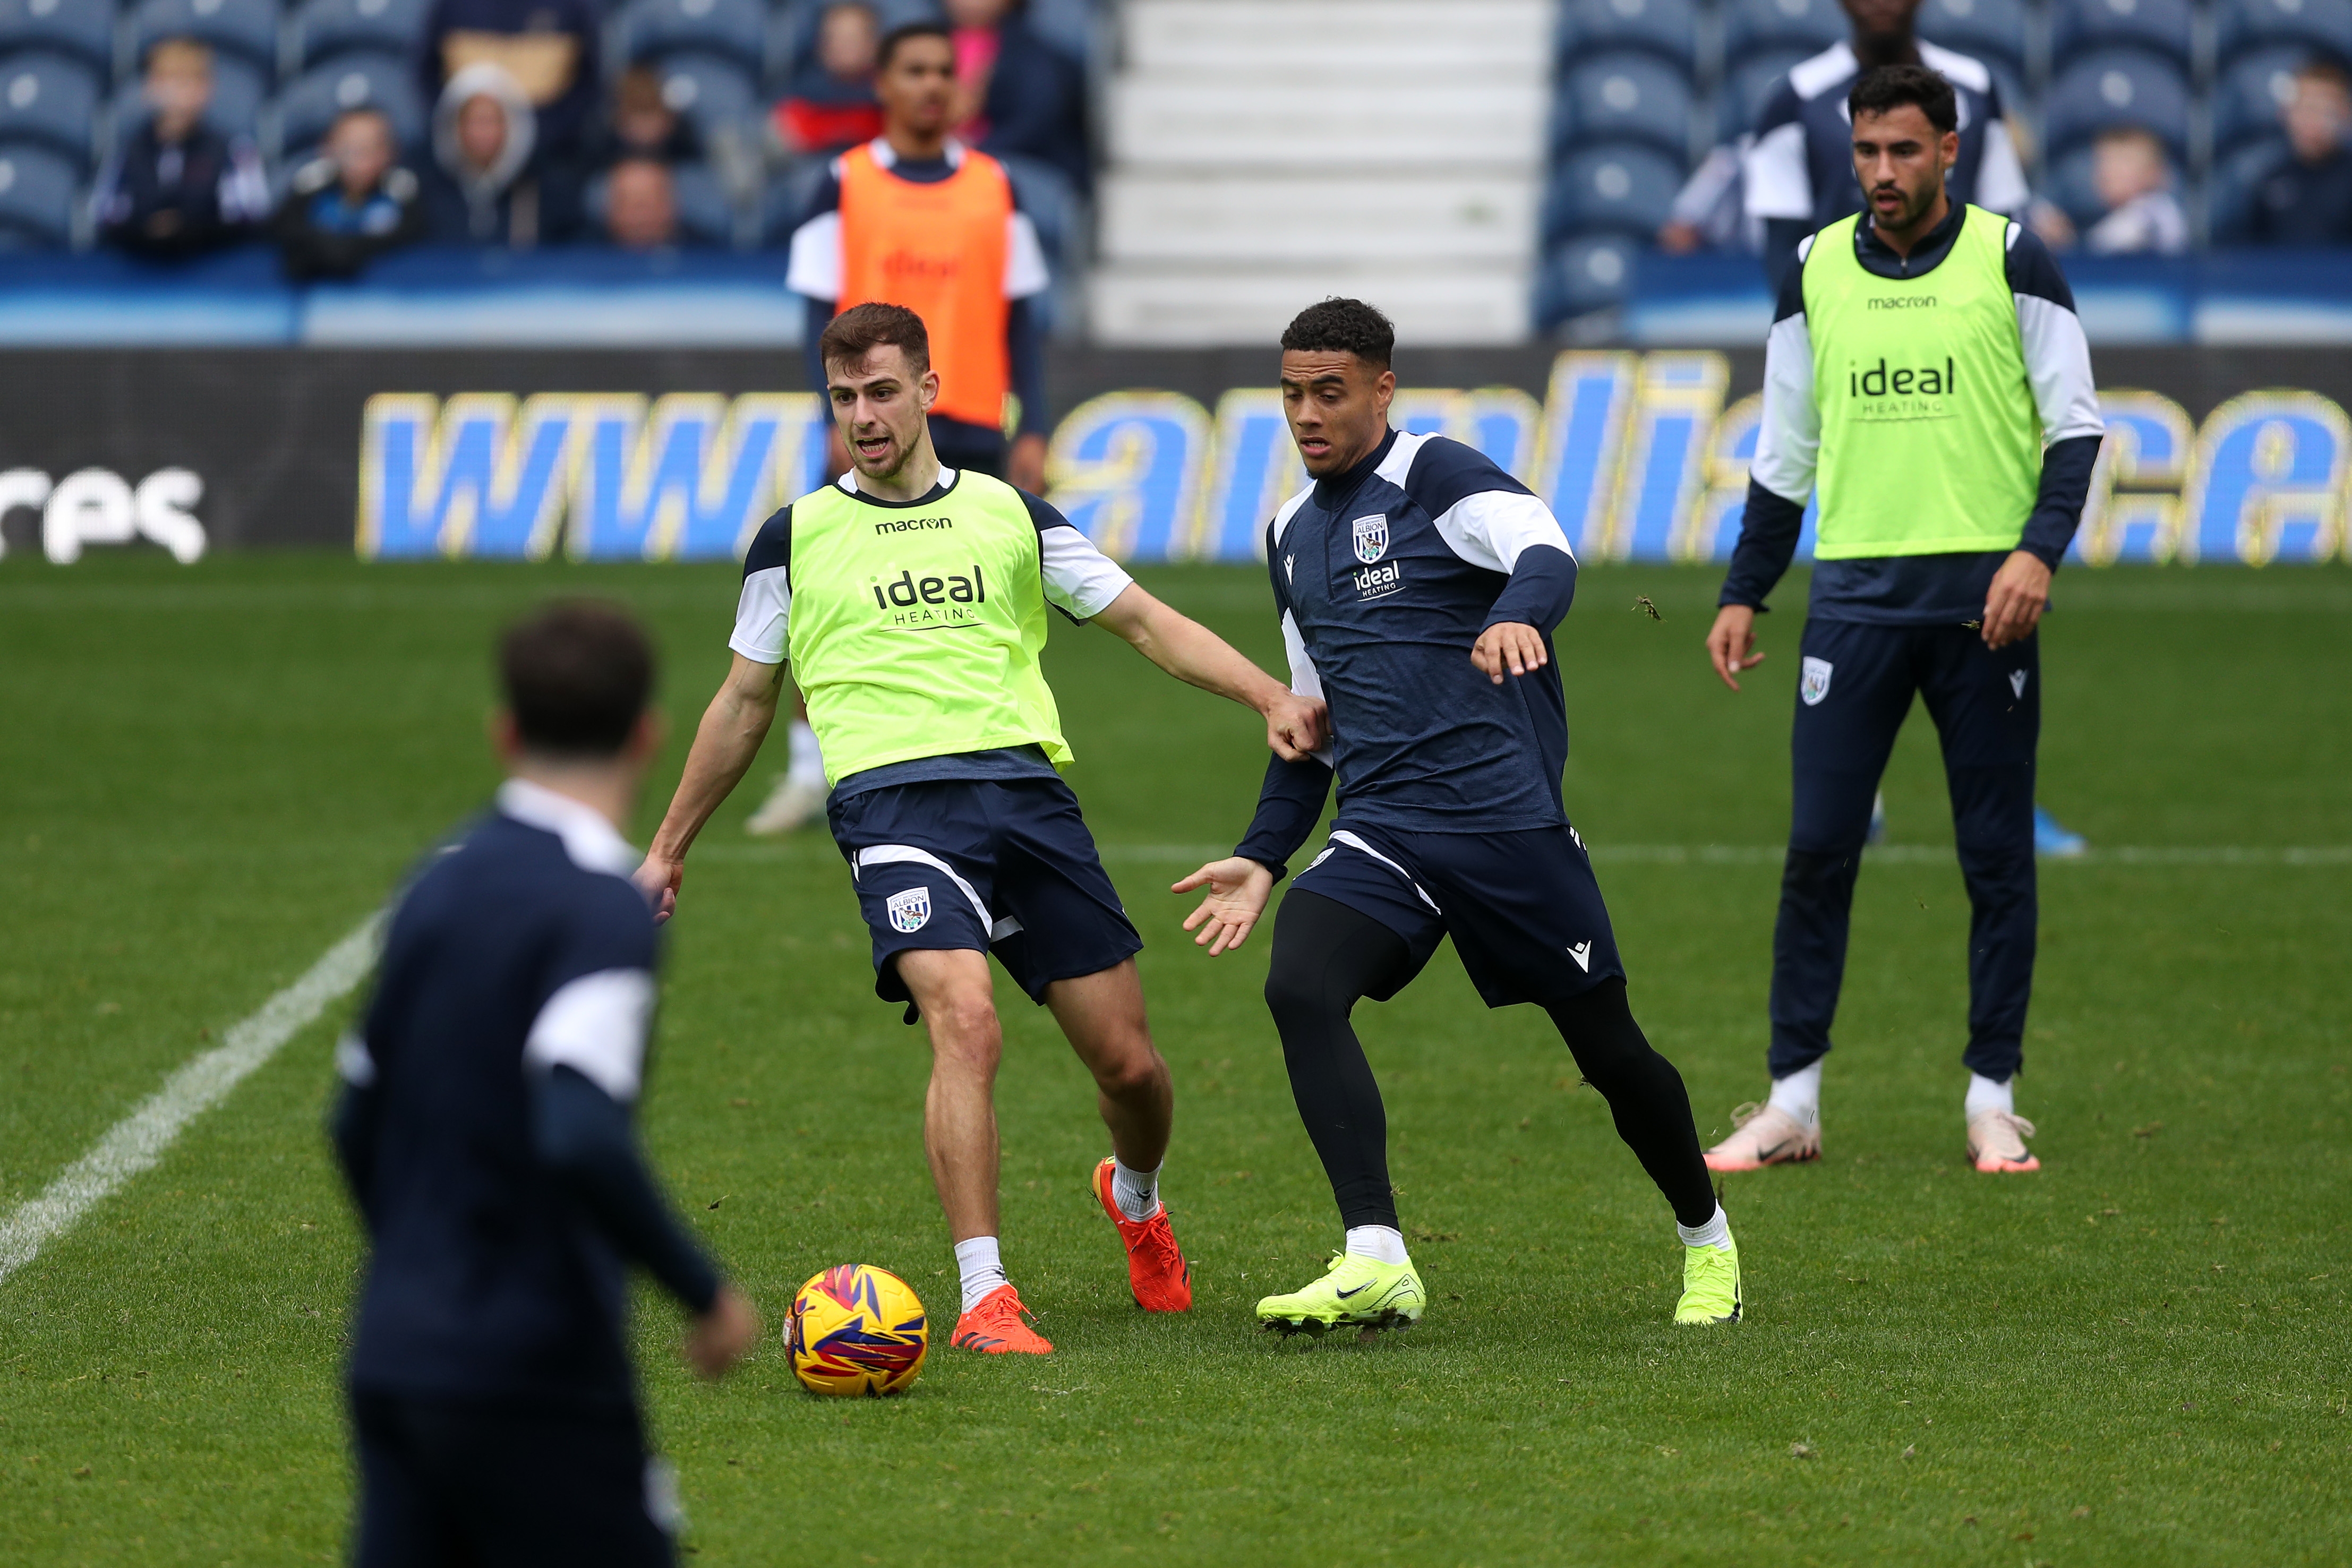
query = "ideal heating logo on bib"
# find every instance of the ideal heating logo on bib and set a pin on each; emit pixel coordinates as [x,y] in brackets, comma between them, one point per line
[930,603]
[1901,392]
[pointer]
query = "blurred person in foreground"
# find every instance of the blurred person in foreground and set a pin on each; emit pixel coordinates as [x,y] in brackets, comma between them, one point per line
[641,206]
[644,125]
[2131,178]
[548,47]
[1016,94]
[2307,200]
[829,105]
[482,187]
[351,204]
[485,1130]
[177,187]
[1927,380]
[948,800]
[917,218]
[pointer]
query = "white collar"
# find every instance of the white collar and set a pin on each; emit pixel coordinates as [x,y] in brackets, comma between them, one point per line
[594,843]
[887,156]
[848,482]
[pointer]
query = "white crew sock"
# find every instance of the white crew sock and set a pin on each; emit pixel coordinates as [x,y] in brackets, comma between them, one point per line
[806,763]
[1379,1241]
[1800,1093]
[1984,1095]
[1715,1233]
[1137,1193]
[982,1267]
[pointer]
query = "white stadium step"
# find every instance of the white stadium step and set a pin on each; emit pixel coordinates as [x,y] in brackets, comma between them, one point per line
[1169,122]
[1331,40]
[1156,215]
[1165,306]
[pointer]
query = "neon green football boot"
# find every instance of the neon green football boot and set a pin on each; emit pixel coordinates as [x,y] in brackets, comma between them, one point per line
[1710,1285]
[1354,1292]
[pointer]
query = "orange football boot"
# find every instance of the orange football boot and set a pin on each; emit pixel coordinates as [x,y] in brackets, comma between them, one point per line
[995,1327]
[1156,1270]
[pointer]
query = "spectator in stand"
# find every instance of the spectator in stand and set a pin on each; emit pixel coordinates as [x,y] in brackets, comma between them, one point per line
[830,107]
[1710,211]
[177,187]
[2308,199]
[349,204]
[644,125]
[2132,177]
[1016,93]
[641,205]
[547,47]
[482,188]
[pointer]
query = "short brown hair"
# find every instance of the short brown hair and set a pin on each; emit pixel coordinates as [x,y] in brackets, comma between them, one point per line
[639,91]
[180,52]
[577,674]
[862,329]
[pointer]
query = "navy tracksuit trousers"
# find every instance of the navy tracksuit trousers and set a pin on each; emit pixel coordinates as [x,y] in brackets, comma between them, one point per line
[1855,686]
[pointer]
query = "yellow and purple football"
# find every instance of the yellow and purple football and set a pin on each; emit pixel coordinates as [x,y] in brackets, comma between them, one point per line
[856,1328]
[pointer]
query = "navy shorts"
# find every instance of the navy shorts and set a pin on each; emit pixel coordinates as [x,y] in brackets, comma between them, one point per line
[1522,909]
[1007,868]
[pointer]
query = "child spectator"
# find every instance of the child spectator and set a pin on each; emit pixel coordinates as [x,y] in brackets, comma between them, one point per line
[1017,94]
[830,107]
[482,188]
[644,125]
[641,205]
[2308,199]
[349,205]
[2134,181]
[178,187]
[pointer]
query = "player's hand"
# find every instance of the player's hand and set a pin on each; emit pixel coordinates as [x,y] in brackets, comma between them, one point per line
[1512,646]
[1731,642]
[1238,889]
[1297,726]
[723,1335]
[1024,465]
[659,879]
[2021,592]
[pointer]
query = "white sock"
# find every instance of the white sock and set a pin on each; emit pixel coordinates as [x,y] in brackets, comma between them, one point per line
[1137,1193]
[1381,1241]
[1715,1233]
[982,1267]
[807,762]
[1984,1095]
[1800,1093]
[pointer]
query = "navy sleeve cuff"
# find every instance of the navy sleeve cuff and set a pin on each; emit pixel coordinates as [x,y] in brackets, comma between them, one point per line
[1290,804]
[2058,508]
[1542,587]
[1767,543]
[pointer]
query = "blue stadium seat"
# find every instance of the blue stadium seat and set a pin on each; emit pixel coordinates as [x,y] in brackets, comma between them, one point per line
[1614,188]
[2320,25]
[2159,27]
[705,216]
[312,100]
[82,29]
[1046,193]
[710,90]
[1991,30]
[1584,275]
[244,29]
[324,28]
[792,31]
[237,92]
[2247,96]
[2230,188]
[1746,87]
[1809,24]
[1070,26]
[2066,183]
[2118,86]
[36,198]
[786,202]
[1624,96]
[51,100]
[1666,29]
[654,29]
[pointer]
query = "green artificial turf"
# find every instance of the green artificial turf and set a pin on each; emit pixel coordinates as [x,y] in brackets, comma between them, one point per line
[2137,1356]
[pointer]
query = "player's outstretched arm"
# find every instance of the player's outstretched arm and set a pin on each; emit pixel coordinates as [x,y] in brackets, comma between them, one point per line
[725,742]
[1295,725]
[1238,889]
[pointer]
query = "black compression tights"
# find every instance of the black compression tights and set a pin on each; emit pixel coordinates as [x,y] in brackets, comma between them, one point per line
[1326,956]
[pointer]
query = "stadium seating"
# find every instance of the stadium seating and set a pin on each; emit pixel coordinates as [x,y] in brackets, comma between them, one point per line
[705,214]
[1808,25]
[1044,193]
[239,89]
[2229,191]
[310,102]
[710,90]
[2322,26]
[1587,275]
[83,30]
[1666,29]
[1624,96]
[1747,86]
[2247,96]
[2118,86]
[2161,27]
[2067,186]
[38,190]
[792,32]
[727,29]
[325,29]
[242,30]
[51,100]
[1994,31]
[1614,188]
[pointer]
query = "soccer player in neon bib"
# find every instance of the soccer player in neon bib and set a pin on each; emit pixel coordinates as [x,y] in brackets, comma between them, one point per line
[910,600]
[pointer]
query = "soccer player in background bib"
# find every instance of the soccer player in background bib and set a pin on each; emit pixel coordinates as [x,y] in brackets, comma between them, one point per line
[910,599]
[1926,378]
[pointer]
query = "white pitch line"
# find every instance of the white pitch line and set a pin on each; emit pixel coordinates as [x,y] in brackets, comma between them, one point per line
[135,1142]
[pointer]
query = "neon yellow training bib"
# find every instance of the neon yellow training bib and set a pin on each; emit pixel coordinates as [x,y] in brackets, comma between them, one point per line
[1931,440]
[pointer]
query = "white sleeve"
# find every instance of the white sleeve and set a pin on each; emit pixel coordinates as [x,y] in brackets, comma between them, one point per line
[596,1025]
[1024,259]
[1304,678]
[2058,366]
[1490,528]
[1080,581]
[1779,183]
[1788,439]
[764,616]
[2001,177]
[812,270]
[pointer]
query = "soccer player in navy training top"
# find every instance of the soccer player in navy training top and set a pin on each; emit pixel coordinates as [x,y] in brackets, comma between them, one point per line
[485,1131]
[1419,586]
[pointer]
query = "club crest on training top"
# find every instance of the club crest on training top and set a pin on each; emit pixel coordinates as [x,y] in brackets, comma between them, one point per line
[909,911]
[1371,538]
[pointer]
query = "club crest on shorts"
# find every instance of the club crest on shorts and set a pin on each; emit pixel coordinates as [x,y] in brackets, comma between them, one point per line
[1372,536]
[1815,684]
[909,911]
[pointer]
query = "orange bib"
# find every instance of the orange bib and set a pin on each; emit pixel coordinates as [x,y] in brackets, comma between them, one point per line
[939,251]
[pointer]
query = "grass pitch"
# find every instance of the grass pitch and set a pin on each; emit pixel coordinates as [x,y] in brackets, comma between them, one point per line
[2137,1356]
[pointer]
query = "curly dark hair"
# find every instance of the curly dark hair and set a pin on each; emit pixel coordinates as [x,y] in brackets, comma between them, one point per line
[1891,87]
[1343,326]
